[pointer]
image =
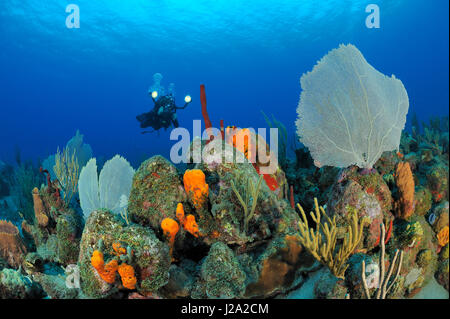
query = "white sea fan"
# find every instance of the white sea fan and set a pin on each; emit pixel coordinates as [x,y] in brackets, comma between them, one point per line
[110,191]
[88,188]
[349,113]
[115,180]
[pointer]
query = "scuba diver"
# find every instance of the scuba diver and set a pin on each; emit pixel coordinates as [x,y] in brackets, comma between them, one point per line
[164,112]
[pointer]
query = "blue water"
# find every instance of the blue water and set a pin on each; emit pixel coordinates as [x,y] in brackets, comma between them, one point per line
[249,54]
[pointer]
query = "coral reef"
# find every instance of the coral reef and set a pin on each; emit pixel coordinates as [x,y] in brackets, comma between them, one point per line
[149,257]
[56,230]
[225,229]
[81,152]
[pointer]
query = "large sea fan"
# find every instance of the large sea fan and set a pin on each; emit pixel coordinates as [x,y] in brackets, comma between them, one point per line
[349,113]
[110,190]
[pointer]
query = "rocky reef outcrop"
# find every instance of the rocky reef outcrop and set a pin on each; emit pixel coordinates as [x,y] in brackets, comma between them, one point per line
[134,244]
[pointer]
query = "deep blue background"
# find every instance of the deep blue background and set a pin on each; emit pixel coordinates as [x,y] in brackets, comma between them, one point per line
[249,54]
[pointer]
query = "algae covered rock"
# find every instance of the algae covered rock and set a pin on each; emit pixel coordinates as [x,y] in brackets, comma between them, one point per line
[422,200]
[181,280]
[353,274]
[329,287]
[416,239]
[53,279]
[439,217]
[155,193]
[157,189]
[68,235]
[437,181]
[48,250]
[442,274]
[145,253]
[425,258]
[367,194]
[221,275]
[33,263]
[226,216]
[277,267]
[3,264]
[408,234]
[14,285]
[387,162]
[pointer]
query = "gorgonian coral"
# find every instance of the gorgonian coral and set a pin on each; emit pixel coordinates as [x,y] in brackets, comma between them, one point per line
[349,113]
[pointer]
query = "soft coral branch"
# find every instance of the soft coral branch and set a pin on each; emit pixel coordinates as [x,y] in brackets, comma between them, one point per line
[208,124]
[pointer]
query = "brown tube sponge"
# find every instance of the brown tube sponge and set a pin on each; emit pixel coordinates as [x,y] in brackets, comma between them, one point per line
[12,248]
[39,211]
[405,184]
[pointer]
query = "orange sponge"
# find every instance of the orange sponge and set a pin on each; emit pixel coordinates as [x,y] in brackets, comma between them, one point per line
[188,222]
[109,273]
[180,214]
[126,273]
[191,225]
[97,260]
[405,183]
[118,249]
[196,187]
[106,272]
[170,229]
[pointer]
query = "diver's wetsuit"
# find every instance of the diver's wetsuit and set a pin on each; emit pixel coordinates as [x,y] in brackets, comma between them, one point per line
[167,111]
[163,114]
